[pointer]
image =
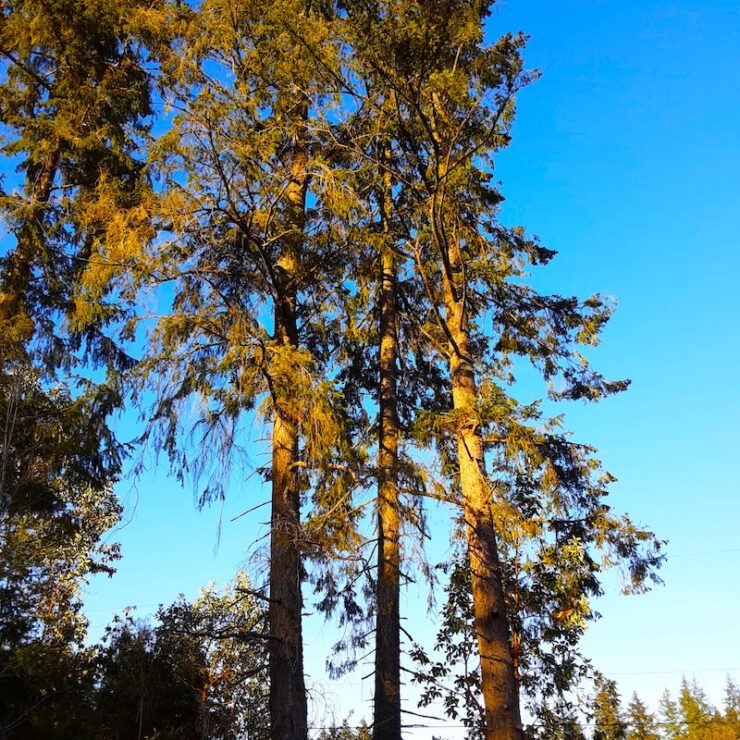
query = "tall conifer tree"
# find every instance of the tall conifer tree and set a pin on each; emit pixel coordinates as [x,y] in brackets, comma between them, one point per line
[74,100]
[253,216]
[245,241]
[609,723]
[454,106]
[389,362]
[387,701]
[417,44]
[74,103]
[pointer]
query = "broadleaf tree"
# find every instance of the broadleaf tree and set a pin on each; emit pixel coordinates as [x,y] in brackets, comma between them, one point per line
[198,672]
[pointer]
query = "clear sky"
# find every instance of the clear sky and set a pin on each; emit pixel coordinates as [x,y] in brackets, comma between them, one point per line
[625,158]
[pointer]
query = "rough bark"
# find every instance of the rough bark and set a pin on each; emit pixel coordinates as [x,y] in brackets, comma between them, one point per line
[288,711]
[387,706]
[288,708]
[498,676]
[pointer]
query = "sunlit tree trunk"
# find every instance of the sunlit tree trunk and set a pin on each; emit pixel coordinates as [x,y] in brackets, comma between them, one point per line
[498,676]
[288,709]
[387,708]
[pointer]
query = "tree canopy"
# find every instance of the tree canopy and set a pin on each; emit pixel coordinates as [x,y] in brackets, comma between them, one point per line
[305,192]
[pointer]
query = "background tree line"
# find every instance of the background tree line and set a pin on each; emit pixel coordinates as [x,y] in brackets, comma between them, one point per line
[690,715]
[605,716]
[306,190]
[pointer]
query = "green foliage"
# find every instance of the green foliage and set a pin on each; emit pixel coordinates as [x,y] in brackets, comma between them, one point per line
[238,75]
[346,732]
[73,101]
[56,505]
[73,98]
[609,722]
[451,112]
[299,143]
[732,706]
[692,717]
[454,678]
[641,723]
[560,722]
[199,672]
[689,717]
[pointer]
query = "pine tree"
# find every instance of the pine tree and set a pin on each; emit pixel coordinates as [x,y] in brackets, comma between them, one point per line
[397,52]
[366,137]
[609,723]
[557,723]
[346,732]
[254,220]
[387,705]
[670,716]
[74,102]
[695,711]
[640,721]
[732,705]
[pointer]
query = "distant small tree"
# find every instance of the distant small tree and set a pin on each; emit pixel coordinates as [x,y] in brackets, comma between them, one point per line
[608,720]
[670,716]
[696,712]
[692,717]
[640,722]
[346,732]
[557,722]
[732,706]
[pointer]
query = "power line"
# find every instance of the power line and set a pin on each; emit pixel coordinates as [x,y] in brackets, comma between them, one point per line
[704,552]
[660,673]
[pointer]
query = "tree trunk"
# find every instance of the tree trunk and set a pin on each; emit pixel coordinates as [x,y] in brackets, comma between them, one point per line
[288,707]
[387,709]
[498,678]
[288,710]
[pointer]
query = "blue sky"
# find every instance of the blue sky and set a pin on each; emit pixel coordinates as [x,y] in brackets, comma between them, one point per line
[625,158]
